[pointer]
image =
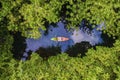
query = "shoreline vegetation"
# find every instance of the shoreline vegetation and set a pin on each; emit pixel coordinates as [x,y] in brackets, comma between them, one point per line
[21,19]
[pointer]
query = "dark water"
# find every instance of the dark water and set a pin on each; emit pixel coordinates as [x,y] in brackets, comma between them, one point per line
[19,45]
[80,40]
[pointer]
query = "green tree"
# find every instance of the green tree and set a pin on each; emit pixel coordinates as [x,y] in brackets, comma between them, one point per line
[5,57]
[28,16]
[6,6]
[100,64]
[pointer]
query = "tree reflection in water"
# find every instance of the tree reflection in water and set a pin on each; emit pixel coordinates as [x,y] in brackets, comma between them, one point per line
[93,36]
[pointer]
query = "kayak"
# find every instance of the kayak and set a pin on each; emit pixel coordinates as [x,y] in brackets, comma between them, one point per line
[60,39]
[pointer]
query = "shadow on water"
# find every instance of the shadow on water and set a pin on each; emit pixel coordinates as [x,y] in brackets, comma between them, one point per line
[45,53]
[46,48]
[18,45]
[79,49]
[108,41]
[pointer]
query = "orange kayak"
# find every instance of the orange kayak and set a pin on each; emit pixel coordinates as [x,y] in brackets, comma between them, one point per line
[60,39]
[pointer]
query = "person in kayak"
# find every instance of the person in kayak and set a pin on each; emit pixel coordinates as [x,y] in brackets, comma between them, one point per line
[60,39]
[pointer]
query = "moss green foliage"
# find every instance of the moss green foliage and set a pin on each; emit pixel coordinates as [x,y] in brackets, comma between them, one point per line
[100,64]
[6,41]
[5,7]
[96,11]
[27,16]
[5,57]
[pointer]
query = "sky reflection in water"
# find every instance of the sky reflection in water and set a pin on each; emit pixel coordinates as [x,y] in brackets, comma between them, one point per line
[75,36]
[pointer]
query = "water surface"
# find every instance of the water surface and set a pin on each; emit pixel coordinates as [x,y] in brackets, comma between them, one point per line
[93,36]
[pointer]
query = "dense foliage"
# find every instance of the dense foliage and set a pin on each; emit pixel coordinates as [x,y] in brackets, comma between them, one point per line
[100,64]
[27,16]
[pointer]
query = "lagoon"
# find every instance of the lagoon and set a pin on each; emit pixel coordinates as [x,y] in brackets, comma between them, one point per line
[83,33]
